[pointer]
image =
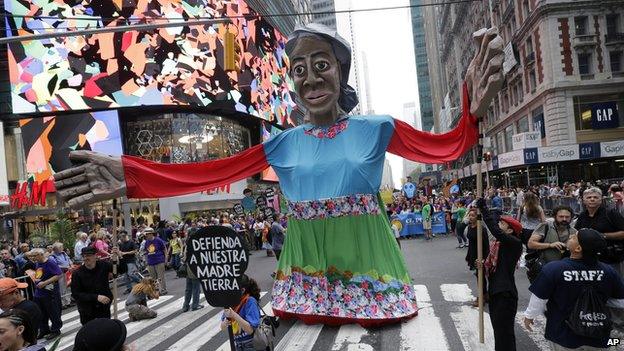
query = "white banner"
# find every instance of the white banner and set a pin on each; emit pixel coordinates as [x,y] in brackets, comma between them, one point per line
[558,153]
[510,159]
[526,140]
[612,148]
[4,185]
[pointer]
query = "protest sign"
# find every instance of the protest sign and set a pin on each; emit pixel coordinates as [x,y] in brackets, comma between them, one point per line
[269,193]
[261,202]
[239,210]
[217,258]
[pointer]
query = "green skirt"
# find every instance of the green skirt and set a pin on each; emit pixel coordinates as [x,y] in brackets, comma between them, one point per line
[346,269]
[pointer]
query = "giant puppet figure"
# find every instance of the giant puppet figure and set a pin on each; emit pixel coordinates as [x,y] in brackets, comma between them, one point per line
[340,263]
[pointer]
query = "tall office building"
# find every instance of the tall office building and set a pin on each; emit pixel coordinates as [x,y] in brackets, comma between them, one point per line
[300,10]
[422,67]
[327,15]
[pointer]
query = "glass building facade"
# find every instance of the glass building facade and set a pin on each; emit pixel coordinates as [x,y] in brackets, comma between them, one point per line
[422,66]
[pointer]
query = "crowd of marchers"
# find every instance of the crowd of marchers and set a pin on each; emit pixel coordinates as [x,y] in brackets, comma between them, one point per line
[573,256]
[38,283]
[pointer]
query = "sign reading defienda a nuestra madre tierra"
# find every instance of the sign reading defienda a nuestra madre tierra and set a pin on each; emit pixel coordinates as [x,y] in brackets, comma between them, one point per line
[217,258]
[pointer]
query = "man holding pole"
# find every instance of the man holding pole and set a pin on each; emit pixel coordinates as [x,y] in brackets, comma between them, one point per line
[500,266]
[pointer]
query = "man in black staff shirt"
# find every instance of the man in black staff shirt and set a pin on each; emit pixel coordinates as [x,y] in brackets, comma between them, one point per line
[90,287]
[11,298]
[127,251]
[610,223]
[561,283]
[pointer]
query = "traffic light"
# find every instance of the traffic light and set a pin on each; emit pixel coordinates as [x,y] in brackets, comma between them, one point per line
[231,52]
[487,156]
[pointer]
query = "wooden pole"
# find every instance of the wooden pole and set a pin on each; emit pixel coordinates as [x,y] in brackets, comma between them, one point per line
[479,157]
[115,259]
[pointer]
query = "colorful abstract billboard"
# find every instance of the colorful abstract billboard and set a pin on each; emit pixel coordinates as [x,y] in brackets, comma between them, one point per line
[48,141]
[165,66]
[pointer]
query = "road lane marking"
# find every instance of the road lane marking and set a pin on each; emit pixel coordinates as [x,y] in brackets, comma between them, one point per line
[456,292]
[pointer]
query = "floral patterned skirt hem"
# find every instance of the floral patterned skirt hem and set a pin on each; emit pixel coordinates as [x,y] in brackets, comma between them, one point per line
[338,321]
[336,299]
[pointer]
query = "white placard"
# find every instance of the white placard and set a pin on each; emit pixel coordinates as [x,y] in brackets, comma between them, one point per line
[526,140]
[612,148]
[558,153]
[510,159]
[510,59]
[4,184]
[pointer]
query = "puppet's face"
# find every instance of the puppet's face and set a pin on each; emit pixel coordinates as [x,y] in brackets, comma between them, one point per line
[316,74]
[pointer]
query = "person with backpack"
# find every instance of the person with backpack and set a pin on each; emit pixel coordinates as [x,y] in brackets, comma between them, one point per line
[245,317]
[577,292]
[610,223]
[548,241]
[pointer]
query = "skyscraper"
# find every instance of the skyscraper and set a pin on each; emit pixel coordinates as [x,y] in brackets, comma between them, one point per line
[328,17]
[422,67]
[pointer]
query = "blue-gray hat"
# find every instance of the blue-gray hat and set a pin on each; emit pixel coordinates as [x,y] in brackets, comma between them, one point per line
[348,97]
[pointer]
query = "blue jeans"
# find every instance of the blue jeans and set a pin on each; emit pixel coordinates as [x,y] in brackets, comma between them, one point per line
[175,261]
[191,291]
[132,276]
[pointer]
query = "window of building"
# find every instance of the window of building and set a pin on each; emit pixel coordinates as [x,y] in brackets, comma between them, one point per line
[613,24]
[523,124]
[532,80]
[584,62]
[500,143]
[580,25]
[615,57]
[583,106]
[525,8]
[509,137]
[529,45]
[537,118]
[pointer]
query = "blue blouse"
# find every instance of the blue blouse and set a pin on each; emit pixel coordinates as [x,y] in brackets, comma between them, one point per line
[313,168]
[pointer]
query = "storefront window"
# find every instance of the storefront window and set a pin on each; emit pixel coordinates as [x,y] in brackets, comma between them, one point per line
[586,109]
[185,137]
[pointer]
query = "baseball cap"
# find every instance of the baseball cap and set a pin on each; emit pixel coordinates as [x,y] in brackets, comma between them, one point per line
[9,285]
[591,241]
[148,230]
[513,223]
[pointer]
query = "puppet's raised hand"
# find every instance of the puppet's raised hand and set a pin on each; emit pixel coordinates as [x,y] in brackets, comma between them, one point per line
[484,76]
[98,177]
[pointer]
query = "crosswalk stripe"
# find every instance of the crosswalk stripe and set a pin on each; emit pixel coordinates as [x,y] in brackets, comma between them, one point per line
[166,330]
[537,335]
[299,337]
[121,313]
[199,336]
[73,314]
[136,326]
[421,293]
[468,329]
[423,332]
[351,335]
[456,292]
[70,329]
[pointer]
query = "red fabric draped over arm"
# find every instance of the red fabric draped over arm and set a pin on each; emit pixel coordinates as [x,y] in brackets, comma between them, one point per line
[426,147]
[146,179]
